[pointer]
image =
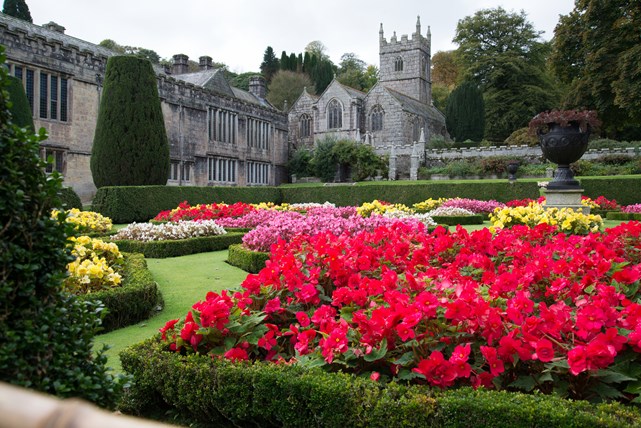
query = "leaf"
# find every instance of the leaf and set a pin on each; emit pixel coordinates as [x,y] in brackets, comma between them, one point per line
[377,354]
[525,383]
[347,313]
[610,376]
[311,360]
[405,374]
[607,391]
[546,377]
[404,359]
[634,387]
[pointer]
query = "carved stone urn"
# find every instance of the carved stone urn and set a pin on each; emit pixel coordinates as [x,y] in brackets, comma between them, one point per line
[563,145]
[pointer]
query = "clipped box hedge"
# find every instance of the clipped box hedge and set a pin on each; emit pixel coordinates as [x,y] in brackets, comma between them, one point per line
[135,300]
[199,390]
[247,260]
[181,247]
[623,188]
[453,220]
[623,216]
[127,204]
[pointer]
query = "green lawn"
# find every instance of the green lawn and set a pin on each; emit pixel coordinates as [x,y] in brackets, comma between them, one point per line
[182,281]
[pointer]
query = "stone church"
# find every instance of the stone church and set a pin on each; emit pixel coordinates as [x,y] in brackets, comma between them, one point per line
[397,112]
[218,134]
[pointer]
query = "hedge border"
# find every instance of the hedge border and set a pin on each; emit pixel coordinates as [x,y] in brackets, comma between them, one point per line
[247,260]
[135,300]
[199,389]
[453,220]
[181,247]
[612,215]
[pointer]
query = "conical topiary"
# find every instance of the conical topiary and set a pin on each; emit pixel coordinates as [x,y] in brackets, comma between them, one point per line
[20,110]
[130,145]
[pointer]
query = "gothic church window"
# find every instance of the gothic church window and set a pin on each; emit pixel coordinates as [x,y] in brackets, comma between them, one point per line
[376,118]
[334,115]
[398,64]
[305,125]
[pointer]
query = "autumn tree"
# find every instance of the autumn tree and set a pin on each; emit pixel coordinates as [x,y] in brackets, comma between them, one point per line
[597,52]
[287,86]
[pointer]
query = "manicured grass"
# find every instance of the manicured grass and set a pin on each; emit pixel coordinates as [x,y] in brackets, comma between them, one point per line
[182,281]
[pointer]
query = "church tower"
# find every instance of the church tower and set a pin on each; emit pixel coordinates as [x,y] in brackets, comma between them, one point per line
[405,64]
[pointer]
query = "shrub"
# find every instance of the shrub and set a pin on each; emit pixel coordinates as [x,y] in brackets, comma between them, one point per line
[20,110]
[181,247]
[70,198]
[135,300]
[324,161]
[47,334]
[247,260]
[130,144]
[522,137]
[300,163]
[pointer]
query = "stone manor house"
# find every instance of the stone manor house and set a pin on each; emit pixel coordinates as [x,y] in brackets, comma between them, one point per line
[397,112]
[219,134]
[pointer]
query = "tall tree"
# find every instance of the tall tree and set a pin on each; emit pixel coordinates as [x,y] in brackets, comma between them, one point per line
[502,53]
[465,114]
[597,52]
[351,71]
[317,48]
[287,86]
[270,65]
[445,68]
[284,61]
[130,145]
[17,9]
[292,61]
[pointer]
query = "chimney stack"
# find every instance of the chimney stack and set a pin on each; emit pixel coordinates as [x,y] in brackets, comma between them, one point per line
[257,86]
[181,65]
[52,26]
[205,63]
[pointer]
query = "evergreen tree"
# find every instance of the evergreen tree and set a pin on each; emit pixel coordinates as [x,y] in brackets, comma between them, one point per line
[306,64]
[299,63]
[17,9]
[465,114]
[20,110]
[270,65]
[284,61]
[292,61]
[130,145]
[46,334]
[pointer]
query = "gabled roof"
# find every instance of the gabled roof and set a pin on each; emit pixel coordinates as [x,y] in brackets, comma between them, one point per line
[213,79]
[305,94]
[250,98]
[353,92]
[413,105]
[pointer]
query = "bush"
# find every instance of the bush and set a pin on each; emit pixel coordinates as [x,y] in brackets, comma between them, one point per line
[70,198]
[20,109]
[300,163]
[247,260]
[623,216]
[281,395]
[181,247]
[46,342]
[324,162]
[129,204]
[522,137]
[135,300]
[130,144]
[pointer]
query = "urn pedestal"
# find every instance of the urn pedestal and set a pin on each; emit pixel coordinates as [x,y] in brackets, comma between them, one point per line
[563,145]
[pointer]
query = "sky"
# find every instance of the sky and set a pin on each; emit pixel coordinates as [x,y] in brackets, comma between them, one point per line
[237,32]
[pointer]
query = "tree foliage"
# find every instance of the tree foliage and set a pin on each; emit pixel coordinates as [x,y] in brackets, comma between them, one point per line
[597,52]
[20,110]
[130,145]
[502,53]
[17,9]
[330,155]
[465,114]
[287,86]
[446,68]
[138,52]
[46,340]
[270,64]
[354,72]
[241,81]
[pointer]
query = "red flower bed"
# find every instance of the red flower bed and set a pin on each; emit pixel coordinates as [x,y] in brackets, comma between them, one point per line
[523,308]
[204,211]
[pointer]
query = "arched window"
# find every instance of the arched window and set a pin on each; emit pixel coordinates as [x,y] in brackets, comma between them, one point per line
[334,115]
[305,125]
[398,64]
[376,118]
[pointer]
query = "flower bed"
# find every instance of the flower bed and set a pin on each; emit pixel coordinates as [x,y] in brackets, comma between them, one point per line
[87,221]
[184,211]
[523,308]
[568,220]
[95,266]
[146,232]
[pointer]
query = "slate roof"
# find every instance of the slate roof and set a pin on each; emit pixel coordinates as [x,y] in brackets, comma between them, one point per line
[413,105]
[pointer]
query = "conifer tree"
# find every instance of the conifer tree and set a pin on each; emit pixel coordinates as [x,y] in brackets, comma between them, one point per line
[20,110]
[270,65]
[465,114]
[130,145]
[17,9]
[284,61]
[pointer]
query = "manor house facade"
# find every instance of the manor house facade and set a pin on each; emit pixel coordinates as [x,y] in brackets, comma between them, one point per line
[396,112]
[218,134]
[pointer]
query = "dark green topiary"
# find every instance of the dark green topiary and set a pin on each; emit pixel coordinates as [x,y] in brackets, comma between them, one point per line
[46,334]
[17,9]
[465,113]
[130,145]
[20,111]
[70,198]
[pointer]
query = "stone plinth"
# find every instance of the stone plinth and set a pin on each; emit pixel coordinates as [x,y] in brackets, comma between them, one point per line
[565,199]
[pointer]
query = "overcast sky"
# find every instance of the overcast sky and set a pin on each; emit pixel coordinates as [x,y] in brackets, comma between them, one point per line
[236,32]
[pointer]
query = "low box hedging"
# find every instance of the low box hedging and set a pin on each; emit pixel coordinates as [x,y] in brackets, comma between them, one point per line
[247,260]
[181,247]
[409,193]
[200,390]
[453,220]
[135,300]
[618,187]
[623,216]
[127,204]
